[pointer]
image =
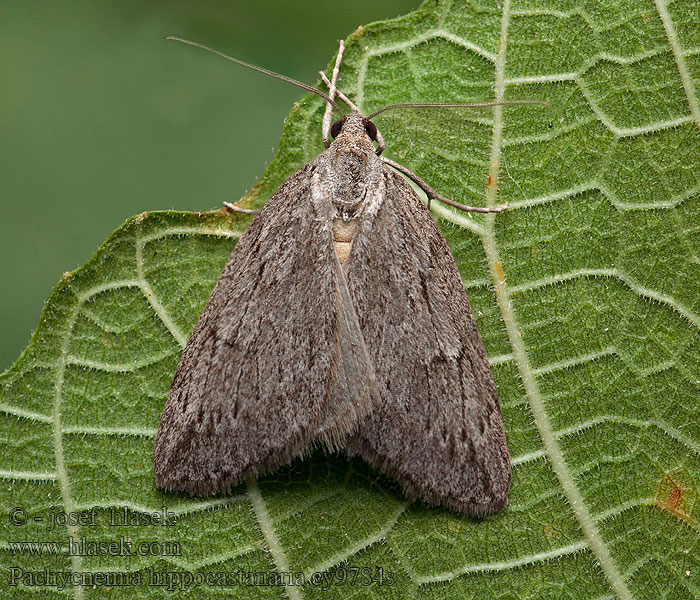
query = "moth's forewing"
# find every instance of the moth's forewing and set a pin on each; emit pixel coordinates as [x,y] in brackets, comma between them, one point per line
[438,430]
[265,372]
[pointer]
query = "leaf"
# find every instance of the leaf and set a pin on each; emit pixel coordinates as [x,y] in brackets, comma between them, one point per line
[586,297]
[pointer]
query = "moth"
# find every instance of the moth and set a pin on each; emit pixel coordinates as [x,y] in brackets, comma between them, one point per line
[340,320]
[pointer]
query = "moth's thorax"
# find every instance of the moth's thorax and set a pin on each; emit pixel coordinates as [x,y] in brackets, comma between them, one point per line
[352,169]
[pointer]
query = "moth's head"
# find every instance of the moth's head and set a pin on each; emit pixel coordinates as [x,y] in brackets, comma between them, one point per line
[355,124]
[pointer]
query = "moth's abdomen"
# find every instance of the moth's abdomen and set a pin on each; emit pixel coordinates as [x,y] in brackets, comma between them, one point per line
[343,234]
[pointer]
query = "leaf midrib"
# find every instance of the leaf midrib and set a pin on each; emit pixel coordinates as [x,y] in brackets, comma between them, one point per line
[532,391]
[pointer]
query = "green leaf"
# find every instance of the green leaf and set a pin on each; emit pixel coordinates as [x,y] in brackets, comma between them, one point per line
[585,294]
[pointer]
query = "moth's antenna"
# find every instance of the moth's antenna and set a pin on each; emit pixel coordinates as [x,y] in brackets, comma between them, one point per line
[303,86]
[474,105]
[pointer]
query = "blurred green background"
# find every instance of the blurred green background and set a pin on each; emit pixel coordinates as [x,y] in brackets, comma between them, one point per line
[101,119]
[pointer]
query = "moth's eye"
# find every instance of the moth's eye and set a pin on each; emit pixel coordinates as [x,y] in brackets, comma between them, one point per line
[337,127]
[371,130]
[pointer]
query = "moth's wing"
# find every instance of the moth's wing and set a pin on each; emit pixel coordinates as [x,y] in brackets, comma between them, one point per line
[438,430]
[267,369]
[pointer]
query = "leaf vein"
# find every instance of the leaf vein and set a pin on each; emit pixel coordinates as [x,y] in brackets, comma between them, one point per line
[28,476]
[394,48]
[180,231]
[118,368]
[268,530]
[25,414]
[662,9]
[150,295]
[523,561]
[575,361]
[640,290]
[642,423]
[119,431]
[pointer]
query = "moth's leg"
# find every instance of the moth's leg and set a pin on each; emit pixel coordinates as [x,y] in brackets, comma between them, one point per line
[340,94]
[433,195]
[380,143]
[326,127]
[238,209]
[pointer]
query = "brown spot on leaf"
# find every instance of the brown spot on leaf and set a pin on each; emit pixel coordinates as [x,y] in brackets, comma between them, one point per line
[551,532]
[499,271]
[677,495]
